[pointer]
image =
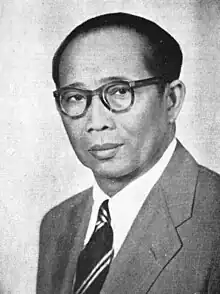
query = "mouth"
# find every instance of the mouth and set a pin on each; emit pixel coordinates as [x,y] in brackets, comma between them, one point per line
[103,147]
[104,151]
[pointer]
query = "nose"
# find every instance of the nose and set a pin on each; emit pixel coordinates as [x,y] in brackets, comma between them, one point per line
[99,117]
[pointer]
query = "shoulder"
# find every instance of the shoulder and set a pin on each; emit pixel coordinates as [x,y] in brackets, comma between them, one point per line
[207,196]
[208,181]
[199,180]
[58,215]
[208,173]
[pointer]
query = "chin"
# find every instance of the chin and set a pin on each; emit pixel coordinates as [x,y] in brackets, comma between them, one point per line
[108,174]
[111,168]
[111,172]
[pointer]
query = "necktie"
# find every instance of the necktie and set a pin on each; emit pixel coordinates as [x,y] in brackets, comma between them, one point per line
[94,260]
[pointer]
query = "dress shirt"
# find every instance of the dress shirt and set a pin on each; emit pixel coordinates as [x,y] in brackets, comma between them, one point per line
[125,205]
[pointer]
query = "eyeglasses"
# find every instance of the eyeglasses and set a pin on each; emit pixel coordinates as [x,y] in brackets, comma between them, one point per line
[116,96]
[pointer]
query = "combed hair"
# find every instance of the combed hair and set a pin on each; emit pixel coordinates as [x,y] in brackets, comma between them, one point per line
[165,58]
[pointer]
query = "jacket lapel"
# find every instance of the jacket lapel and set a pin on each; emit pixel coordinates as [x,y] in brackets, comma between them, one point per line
[72,241]
[153,240]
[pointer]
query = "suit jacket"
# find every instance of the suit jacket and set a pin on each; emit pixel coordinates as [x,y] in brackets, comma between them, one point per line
[173,245]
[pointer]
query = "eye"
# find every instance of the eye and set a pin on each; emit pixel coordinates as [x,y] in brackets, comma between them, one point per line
[73,96]
[119,90]
[122,91]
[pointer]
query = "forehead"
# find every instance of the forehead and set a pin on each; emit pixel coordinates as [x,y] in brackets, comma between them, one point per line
[103,53]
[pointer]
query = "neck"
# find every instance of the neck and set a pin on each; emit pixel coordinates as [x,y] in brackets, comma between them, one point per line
[112,186]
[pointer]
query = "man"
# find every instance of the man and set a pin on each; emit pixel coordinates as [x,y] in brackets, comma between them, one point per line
[151,222]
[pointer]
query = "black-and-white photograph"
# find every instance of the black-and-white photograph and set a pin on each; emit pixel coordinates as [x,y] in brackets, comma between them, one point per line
[110,147]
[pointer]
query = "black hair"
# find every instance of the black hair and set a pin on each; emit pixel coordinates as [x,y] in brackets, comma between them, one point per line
[165,57]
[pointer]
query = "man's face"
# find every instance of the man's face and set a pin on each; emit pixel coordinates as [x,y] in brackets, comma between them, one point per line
[114,144]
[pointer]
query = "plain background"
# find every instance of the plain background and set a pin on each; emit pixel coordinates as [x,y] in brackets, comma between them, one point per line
[38,168]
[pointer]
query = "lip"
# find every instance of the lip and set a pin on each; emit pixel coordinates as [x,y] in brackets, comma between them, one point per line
[103,147]
[104,151]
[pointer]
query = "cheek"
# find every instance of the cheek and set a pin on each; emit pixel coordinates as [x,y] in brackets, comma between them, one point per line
[144,125]
[75,131]
[141,119]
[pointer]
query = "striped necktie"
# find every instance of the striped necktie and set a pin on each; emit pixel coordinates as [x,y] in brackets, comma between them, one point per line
[94,260]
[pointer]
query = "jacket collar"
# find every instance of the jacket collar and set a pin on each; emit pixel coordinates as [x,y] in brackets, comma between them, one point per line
[71,242]
[178,184]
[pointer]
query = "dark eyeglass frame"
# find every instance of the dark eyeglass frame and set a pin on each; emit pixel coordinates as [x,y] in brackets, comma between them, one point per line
[101,92]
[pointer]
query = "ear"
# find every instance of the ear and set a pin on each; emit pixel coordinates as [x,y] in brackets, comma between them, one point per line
[175,97]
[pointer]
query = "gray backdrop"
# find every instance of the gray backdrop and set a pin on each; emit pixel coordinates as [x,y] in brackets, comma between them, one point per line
[38,168]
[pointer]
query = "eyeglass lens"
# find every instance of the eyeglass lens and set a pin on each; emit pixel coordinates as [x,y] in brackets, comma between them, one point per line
[117,96]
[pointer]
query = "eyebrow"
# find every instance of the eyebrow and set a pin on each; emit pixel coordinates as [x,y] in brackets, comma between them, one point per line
[114,78]
[102,81]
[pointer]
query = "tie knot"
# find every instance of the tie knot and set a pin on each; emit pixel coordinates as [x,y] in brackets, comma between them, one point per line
[104,215]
